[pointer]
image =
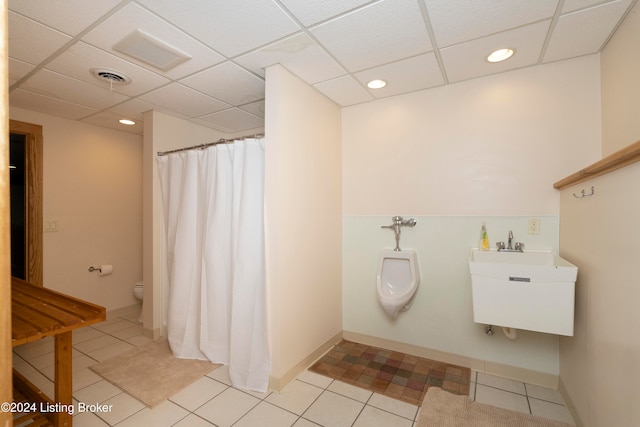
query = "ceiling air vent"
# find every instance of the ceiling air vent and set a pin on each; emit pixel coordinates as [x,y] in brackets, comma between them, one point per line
[113,77]
[151,50]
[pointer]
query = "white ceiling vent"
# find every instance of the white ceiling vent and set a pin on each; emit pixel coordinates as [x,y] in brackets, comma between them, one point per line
[150,50]
[113,77]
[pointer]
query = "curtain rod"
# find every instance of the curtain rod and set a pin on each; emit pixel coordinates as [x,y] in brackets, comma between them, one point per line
[209,144]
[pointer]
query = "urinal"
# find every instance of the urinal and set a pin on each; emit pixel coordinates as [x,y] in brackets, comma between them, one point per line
[398,280]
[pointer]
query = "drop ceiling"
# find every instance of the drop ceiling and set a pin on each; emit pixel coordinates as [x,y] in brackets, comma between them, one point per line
[222,48]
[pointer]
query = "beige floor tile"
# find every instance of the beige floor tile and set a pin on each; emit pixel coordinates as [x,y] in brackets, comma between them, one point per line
[120,407]
[87,419]
[550,410]
[111,350]
[221,374]
[96,392]
[198,393]
[129,332]
[193,421]
[34,349]
[501,398]
[116,325]
[348,390]
[331,409]
[374,417]
[304,423]
[394,406]
[139,340]
[96,343]
[267,415]
[543,393]
[83,378]
[501,383]
[227,408]
[314,379]
[42,361]
[85,334]
[163,415]
[296,396]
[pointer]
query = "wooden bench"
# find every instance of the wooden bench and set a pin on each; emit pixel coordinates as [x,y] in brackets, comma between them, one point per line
[37,312]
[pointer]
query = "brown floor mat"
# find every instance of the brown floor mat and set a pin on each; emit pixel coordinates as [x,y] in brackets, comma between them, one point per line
[397,375]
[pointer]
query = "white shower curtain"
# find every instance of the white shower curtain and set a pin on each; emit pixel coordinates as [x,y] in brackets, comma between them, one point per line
[213,203]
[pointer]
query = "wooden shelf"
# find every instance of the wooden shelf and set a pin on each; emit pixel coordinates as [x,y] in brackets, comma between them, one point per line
[617,160]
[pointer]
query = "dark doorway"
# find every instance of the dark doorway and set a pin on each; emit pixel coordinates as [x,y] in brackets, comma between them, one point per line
[26,154]
[18,205]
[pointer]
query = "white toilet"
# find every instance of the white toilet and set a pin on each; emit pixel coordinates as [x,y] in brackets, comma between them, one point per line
[138,292]
[398,280]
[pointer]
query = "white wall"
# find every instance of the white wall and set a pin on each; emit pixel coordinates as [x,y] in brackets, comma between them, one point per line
[93,188]
[486,149]
[621,86]
[303,222]
[599,234]
[599,364]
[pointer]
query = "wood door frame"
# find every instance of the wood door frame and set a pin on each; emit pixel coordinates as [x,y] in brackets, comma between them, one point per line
[33,198]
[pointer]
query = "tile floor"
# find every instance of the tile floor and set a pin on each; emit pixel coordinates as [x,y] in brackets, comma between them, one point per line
[309,400]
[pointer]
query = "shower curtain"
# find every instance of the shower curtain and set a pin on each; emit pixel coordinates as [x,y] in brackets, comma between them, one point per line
[214,217]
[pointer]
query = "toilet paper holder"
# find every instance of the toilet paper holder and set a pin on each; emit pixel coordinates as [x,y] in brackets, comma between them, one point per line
[103,270]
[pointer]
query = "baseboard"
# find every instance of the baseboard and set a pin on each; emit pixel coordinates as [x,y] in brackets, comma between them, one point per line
[277,384]
[506,371]
[124,311]
[569,403]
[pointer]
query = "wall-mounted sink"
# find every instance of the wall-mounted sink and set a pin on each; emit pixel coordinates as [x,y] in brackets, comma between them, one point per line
[524,290]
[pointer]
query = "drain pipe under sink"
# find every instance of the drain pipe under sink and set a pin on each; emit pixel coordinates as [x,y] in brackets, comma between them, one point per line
[510,333]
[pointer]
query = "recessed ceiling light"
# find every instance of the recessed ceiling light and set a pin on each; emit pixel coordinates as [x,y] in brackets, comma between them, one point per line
[376,84]
[127,122]
[500,55]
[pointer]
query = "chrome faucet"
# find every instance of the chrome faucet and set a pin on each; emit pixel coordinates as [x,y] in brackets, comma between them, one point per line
[519,247]
[398,222]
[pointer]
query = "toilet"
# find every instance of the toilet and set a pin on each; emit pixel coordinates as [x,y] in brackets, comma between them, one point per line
[138,292]
[398,280]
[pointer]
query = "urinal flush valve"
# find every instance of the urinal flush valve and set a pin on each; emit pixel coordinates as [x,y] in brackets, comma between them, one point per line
[398,222]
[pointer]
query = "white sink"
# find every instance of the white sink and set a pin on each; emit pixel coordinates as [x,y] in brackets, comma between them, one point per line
[524,290]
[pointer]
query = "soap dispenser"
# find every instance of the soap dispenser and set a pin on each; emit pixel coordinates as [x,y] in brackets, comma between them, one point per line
[484,239]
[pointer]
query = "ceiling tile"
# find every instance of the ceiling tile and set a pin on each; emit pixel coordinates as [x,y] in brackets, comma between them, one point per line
[584,32]
[185,100]
[69,16]
[573,5]
[18,69]
[407,75]
[312,12]
[229,83]
[110,120]
[234,119]
[41,40]
[132,18]
[377,34]
[255,108]
[133,109]
[230,27]
[468,60]
[299,54]
[458,21]
[71,90]
[49,105]
[78,60]
[344,91]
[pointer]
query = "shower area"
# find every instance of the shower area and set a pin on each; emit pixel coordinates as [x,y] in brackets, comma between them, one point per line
[302,223]
[213,208]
